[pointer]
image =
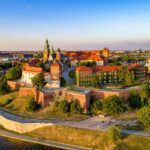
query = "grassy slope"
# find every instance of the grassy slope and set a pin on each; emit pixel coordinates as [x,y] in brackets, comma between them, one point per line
[19,104]
[89,138]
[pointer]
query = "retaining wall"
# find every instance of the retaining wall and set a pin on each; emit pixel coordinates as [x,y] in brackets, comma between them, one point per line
[20,127]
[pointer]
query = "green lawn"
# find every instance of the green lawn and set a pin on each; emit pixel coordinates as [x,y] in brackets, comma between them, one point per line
[88,138]
[127,115]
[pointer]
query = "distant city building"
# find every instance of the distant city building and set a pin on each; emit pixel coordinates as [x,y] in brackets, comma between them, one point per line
[99,56]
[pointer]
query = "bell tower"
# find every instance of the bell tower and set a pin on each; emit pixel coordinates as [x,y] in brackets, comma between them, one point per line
[46,51]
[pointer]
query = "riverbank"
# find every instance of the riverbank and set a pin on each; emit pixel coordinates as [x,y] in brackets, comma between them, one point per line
[96,140]
[41,141]
[14,144]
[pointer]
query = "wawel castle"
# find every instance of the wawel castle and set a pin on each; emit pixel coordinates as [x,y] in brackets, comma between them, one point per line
[50,61]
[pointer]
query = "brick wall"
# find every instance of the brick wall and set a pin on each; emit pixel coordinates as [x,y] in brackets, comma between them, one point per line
[26,91]
[83,99]
[105,94]
[13,85]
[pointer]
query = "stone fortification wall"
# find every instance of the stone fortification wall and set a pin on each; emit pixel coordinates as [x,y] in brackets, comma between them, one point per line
[20,127]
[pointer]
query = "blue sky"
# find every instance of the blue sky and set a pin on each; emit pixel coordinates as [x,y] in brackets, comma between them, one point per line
[75,24]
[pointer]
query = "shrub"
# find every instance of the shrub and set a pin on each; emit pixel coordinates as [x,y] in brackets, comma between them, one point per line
[114,134]
[134,100]
[75,107]
[63,106]
[114,105]
[143,115]
[96,105]
[33,105]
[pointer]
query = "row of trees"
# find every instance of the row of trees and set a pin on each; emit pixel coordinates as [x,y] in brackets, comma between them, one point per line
[115,105]
[4,66]
[87,63]
[111,105]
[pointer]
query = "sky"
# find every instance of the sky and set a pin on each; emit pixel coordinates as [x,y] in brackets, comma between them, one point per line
[74,24]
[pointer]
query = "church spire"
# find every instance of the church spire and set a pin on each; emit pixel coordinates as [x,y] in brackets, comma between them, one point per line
[46,51]
[46,46]
[52,51]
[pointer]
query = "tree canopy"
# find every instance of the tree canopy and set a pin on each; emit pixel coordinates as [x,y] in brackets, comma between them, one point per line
[114,105]
[143,115]
[38,81]
[145,93]
[4,88]
[134,100]
[14,73]
[126,76]
[114,134]
[96,105]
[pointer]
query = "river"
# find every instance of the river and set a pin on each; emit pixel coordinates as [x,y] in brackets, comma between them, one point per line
[13,144]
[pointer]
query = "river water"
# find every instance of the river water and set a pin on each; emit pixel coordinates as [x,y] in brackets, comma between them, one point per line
[13,144]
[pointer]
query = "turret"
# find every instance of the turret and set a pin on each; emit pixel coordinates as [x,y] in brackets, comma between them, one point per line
[55,71]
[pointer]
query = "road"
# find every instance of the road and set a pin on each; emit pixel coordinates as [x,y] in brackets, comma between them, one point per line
[138,133]
[65,74]
[26,138]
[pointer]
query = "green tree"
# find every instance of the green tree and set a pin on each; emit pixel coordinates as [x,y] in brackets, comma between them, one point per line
[63,106]
[38,81]
[114,135]
[72,74]
[95,82]
[96,105]
[143,115]
[14,73]
[145,93]
[126,76]
[62,82]
[114,105]
[4,88]
[33,105]
[75,107]
[134,100]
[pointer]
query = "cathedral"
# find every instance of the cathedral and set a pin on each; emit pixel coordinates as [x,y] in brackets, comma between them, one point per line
[49,53]
[51,61]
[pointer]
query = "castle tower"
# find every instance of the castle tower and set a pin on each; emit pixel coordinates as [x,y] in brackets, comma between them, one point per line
[46,51]
[106,52]
[55,71]
[58,55]
[148,64]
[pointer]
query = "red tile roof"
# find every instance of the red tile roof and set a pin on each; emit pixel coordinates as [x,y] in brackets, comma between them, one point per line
[106,68]
[132,66]
[98,68]
[32,69]
[87,57]
[84,68]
